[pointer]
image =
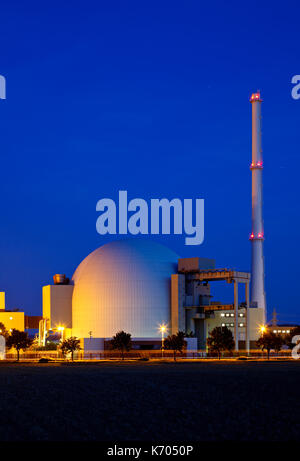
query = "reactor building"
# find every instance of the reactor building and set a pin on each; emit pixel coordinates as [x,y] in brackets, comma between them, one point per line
[137,285]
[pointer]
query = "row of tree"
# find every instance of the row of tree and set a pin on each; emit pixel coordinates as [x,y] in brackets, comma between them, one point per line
[16,339]
[220,340]
[19,340]
[122,342]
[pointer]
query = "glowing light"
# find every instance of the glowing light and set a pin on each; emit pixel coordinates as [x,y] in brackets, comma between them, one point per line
[260,235]
[10,318]
[262,329]
[255,96]
[61,329]
[162,328]
[258,164]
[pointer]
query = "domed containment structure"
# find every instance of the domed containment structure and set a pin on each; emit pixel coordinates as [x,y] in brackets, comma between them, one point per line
[123,285]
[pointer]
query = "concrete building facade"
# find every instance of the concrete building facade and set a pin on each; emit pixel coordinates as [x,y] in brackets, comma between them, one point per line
[192,308]
[11,319]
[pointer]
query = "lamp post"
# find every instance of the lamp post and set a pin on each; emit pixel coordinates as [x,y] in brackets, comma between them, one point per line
[61,329]
[162,330]
[262,329]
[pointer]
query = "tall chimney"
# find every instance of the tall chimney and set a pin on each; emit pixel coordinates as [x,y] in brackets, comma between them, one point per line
[257,234]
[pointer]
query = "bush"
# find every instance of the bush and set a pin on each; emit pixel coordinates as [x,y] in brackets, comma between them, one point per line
[51,346]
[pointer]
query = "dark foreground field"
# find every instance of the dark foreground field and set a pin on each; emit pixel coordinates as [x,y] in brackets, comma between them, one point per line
[150,401]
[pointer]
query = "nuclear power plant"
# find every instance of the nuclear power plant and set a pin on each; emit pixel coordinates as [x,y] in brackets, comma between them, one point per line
[137,285]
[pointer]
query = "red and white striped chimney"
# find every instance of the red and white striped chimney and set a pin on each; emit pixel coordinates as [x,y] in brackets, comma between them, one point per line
[257,233]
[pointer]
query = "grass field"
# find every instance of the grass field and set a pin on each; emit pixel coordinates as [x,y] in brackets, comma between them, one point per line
[150,401]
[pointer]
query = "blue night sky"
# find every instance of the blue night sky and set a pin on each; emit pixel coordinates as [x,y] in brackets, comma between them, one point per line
[150,97]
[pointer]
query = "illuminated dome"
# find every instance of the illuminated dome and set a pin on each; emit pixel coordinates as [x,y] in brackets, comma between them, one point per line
[123,285]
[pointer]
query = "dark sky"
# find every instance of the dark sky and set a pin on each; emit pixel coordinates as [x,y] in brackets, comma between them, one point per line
[151,97]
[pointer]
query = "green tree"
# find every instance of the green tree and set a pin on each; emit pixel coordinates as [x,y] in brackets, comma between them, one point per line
[71,344]
[3,331]
[220,339]
[49,346]
[176,343]
[270,340]
[279,341]
[19,340]
[122,342]
[189,334]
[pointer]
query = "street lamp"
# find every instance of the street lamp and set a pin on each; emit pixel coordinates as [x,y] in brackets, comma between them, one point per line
[262,329]
[162,329]
[61,329]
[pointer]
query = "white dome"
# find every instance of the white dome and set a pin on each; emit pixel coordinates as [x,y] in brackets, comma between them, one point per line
[123,285]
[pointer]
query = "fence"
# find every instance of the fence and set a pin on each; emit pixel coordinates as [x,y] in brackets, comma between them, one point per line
[145,355]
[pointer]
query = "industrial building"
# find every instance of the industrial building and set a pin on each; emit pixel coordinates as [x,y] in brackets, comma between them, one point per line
[15,319]
[11,319]
[138,285]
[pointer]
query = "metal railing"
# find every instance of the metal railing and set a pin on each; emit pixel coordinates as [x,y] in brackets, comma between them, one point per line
[145,355]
